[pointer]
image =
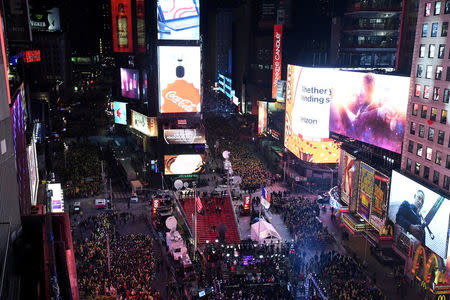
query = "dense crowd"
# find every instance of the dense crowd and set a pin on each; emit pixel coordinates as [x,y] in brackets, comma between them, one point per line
[129,271]
[301,217]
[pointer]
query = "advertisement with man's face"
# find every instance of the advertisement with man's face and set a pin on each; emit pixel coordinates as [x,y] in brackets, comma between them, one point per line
[129,83]
[120,113]
[379,200]
[144,124]
[184,136]
[121,25]
[178,19]
[366,190]
[179,79]
[420,212]
[262,117]
[370,108]
[183,164]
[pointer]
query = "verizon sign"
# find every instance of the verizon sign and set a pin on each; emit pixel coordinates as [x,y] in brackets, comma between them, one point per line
[276,75]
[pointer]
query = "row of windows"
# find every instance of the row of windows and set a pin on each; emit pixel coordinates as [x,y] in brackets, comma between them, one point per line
[429,72]
[437,8]
[428,153]
[434,29]
[426,173]
[431,133]
[433,113]
[432,50]
[427,93]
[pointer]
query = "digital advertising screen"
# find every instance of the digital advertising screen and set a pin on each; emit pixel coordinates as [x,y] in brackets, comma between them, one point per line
[184,136]
[369,107]
[179,79]
[140,26]
[378,209]
[121,26]
[281,91]
[57,197]
[276,72]
[178,19]
[183,164]
[366,177]
[129,82]
[144,124]
[262,117]
[120,113]
[33,171]
[420,212]
[45,19]
[318,152]
[144,86]
[349,174]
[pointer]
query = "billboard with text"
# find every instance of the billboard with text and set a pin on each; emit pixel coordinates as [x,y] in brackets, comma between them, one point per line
[183,164]
[420,212]
[179,79]
[276,72]
[178,19]
[121,25]
[380,197]
[129,83]
[120,113]
[184,136]
[144,124]
[366,177]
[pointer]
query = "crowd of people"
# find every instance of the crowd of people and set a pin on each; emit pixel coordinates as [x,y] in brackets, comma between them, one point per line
[112,265]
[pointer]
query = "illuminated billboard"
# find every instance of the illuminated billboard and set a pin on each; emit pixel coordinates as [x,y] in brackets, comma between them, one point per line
[178,19]
[45,19]
[325,151]
[144,86]
[33,171]
[349,177]
[179,79]
[140,25]
[121,25]
[276,72]
[308,97]
[57,197]
[129,81]
[184,136]
[420,212]
[120,113]
[369,107]
[379,200]
[183,164]
[144,124]
[366,177]
[281,91]
[262,117]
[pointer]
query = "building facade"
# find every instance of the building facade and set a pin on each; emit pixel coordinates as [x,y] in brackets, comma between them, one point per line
[426,143]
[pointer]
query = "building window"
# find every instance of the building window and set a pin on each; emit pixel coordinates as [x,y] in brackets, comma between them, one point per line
[427,9]
[426,172]
[408,164]
[429,153]
[431,134]
[441,137]
[417,168]
[419,150]
[421,131]
[431,50]
[423,112]
[417,90]
[446,95]
[436,92]
[446,184]
[447,164]
[419,71]
[447,76]
[436,177]
[426,91]
[424,30]
[434,29]
[422,51]
[443,116]
[444,30]
[437,8]
[412,129]
[415,109]
[447,7]
[438,158]
[433,114]
[410,146]
[438,73]
[429,72]
[441,52]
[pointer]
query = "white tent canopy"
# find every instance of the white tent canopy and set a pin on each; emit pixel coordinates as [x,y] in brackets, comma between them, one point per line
[267,233]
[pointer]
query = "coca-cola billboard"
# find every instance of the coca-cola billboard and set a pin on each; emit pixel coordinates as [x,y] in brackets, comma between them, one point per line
[179,79]
[276,73]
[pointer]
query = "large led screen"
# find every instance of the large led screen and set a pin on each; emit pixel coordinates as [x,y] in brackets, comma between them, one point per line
[33,171]
[140,25]
[144,124]
[349,171]
[121,25]
[276,72]
[57,197]
[120,113]
[379,200]
[420,212]
[262,117]
[368,107]
[184,136]
[183,164]
[327,151]
[366,178]
[178,19]
[129,82]
[179,79]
